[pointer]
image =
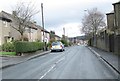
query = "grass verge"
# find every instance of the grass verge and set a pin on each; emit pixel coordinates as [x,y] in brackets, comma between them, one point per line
[8,53]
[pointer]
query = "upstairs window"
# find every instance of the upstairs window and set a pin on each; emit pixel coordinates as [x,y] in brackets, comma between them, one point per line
[5,23]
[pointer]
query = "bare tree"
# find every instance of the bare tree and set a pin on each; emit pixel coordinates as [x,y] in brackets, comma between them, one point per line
[92,22]
[22,15]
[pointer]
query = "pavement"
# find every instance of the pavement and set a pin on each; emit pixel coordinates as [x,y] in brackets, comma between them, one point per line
[76,62]
[7,61]
[110,58]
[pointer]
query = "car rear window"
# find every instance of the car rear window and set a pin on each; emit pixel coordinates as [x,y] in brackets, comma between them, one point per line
[55,43]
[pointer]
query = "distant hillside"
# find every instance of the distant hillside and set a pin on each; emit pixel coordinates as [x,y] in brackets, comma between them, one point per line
[80,37]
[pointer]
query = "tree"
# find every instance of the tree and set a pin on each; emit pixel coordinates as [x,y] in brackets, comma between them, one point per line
[22,15]
[92,22]
[52,35]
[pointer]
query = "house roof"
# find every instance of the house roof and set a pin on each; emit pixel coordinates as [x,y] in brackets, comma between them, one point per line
[57,36]
[116,3]
[41,28]
[11,17]
[112,12]
[45,30]
[32,25]
[4,17]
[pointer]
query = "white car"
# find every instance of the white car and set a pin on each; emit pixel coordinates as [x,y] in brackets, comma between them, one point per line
[57,46]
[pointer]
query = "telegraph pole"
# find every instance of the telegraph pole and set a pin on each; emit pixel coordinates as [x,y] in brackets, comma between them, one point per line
[43,24]
[64,33]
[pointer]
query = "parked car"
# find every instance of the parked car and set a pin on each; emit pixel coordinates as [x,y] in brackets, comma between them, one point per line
[57,46]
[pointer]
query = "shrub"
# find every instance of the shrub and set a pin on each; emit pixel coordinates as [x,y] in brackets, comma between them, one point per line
[8,47]
[49,44]
[65,42]
[0,48]
[70,43]
[41,45]
[24,46]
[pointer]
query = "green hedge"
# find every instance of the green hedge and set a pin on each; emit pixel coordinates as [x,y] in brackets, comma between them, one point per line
[0,48]
[8,47]
[65,43]
[28,46]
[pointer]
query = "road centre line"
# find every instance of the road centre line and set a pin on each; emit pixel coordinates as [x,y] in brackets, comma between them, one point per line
[47,72]
[51,68]
[60,60]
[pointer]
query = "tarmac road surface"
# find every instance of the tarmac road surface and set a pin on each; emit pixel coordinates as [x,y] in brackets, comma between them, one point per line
[76,62]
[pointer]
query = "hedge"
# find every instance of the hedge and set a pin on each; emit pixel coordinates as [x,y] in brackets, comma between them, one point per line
[8,47]
[22,47]
[0,48]
[65,43]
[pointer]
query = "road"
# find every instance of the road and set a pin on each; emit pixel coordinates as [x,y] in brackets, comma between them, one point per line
[76,62]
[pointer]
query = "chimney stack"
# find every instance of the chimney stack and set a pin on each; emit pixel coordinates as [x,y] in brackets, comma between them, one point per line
[14,13]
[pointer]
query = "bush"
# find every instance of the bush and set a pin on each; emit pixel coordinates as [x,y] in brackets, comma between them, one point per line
[70,43]
[65,42]
[22,47]
[0,48]
[49,44]
[8,47]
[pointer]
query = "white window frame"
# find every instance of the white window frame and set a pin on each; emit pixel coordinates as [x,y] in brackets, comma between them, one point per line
[5,23]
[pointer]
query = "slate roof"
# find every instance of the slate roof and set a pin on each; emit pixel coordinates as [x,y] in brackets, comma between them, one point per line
[116,3]
[12,18]
[4,17]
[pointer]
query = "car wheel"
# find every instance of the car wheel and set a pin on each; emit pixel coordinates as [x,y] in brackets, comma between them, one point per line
[61,50]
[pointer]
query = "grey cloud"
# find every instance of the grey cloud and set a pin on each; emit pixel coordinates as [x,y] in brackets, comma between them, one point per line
[71,13]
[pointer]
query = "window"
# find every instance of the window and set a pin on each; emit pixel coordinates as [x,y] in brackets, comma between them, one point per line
[5,23]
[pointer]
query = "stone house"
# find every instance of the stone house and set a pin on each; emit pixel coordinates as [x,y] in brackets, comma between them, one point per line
[46,36]
[110,30]
[108,39]
[4,29]
[113,29]
[57,38]
[117,27]
[41,37]
[32,32]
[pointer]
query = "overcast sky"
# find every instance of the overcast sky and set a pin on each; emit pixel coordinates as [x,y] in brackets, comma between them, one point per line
[62,13]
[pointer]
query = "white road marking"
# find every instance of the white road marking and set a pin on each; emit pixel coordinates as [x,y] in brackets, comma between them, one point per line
[47,72]
[60,60]
[53,66]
